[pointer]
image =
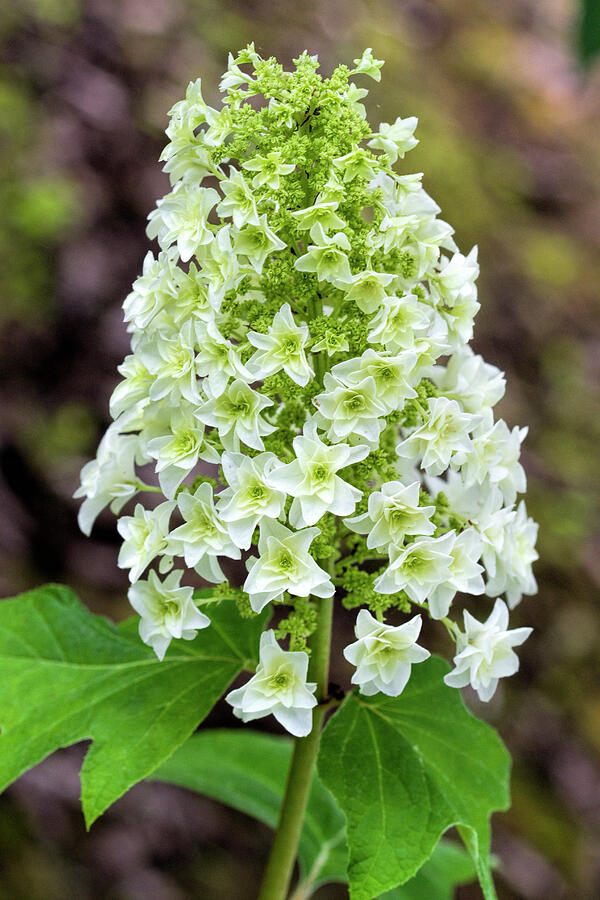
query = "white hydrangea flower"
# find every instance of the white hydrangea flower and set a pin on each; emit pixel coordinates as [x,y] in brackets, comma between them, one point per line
[217,359]
[397,139]
[250,496]
[368,65]
[257,243]
[400,321]
[312,481]
[110,478]
[465,573]
[282,347]
[144,537]
[356,164]
[134,389]
[456,279]
[236,414]
[418,568]
[392,373]
[350,410]
[171,359]
[203,536]
[269,169]
[167,611]
[279,688]
[513,574]
[485,652]
[152,290]
[327,257]
[177,452]
[284,564]
[393,513]
[444,435]
[220,266]
[468,379]
[368,289]
[322,214]
[383,654]
[239,201]
[182,218]
[494,457]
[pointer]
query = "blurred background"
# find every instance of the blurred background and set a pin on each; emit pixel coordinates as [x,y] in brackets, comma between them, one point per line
[508,98]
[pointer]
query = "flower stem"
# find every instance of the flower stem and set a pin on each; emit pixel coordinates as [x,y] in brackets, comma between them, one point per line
[280,866]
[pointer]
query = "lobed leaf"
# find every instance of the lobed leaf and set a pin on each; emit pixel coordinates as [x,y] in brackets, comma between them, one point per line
[67,676]
[404,770]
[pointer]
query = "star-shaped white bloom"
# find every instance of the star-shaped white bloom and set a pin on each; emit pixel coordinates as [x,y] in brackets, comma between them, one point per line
[282,347]
[327,257]
[144,537]
[350,410]
[217,359]
[269,169]
[167,611]
[239,201]
[418,568]
[513,574]
[392,373]
[356,164]
[177,452]
[220,266]
[465,573]
[494,457]
[397,139]
[400,322]
[444,435]
[383,654]
[456,279]
[109,478]
[279,688]
[485,652]
[312,481]
[257,242]
[152,290]
[393,512]
[368,65]
[284,564]
[468,379]
[171,359]
[250,496]
[203,536]
[321,214]
[134,390]
[236,414]
[182,217]
[368,289]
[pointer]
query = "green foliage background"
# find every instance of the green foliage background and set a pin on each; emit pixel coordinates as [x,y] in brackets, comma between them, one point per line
[509,129]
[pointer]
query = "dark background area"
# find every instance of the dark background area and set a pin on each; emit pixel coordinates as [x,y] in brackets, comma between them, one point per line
[509,129]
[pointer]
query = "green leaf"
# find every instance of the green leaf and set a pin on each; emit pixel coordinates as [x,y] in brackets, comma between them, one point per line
[68,676]
[247,770]
[588,31]
[444,871]
[403,770]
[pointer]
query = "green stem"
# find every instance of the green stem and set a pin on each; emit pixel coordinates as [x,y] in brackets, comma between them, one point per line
[280,866]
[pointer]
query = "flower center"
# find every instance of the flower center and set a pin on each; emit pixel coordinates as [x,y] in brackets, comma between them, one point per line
[286,561]
[280,680]
[320,473]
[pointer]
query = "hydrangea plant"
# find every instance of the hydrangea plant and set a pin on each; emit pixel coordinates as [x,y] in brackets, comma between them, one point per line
[301,403]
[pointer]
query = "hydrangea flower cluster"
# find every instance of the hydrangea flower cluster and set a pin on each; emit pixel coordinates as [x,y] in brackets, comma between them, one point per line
[304,330]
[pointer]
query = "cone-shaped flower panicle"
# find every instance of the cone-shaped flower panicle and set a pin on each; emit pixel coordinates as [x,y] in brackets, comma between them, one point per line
[300,389]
